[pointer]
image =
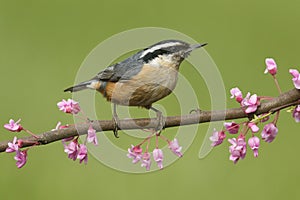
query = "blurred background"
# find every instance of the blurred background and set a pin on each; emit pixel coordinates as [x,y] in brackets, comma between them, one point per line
[43,43]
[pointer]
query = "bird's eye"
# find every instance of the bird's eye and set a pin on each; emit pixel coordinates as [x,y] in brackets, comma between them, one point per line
[151,55]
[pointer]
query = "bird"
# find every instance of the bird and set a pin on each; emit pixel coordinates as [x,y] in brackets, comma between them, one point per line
[142,79]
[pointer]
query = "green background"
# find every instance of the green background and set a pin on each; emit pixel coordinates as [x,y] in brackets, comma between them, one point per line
[43,43]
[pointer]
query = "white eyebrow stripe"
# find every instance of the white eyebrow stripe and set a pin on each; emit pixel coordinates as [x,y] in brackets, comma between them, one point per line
[159,47]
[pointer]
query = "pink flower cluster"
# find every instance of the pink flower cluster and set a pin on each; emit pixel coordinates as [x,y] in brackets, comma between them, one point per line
[269,132]
[271,67]
[74,149]
[15,145]
[250,102]
[79,151]
[69,106]
[21,155]
[238,146]
[136,154]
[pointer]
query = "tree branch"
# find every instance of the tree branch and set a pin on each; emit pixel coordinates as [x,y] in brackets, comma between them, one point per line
[285,99]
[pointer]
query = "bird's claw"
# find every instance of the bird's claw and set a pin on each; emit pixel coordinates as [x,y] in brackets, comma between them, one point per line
[161,123]
[116,128]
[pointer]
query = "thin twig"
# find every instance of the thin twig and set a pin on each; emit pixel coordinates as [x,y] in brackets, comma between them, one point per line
[288,98]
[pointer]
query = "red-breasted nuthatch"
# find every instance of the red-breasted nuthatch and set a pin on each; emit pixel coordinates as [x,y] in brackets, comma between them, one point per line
[142,79]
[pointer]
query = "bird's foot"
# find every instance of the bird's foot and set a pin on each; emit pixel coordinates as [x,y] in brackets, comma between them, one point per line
[116,122]
[160,120]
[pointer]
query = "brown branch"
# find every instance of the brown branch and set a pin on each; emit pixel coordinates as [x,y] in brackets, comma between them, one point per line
[288,98]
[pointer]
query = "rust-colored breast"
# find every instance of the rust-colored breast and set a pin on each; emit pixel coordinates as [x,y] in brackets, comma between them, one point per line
[109,90]
[145,88]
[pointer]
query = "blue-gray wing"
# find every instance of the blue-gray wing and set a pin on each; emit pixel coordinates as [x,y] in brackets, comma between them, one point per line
[121,71]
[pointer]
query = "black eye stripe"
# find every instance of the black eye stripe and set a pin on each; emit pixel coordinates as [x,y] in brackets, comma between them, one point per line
[151,55]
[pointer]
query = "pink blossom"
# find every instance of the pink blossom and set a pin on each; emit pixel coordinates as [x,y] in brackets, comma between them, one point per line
[12,146]
[237,149]
[271,66]
[91,136]
[296,77]
[14,126]
[217,137]
[296,113]
[253,143]
[269,132]
[146,161]
[251,102]
[82,154]
[237,94]
[254,128]
[69,106]
[21,158]
[72,149]
[175,148]
[232,127]
[158,157]
[135,152]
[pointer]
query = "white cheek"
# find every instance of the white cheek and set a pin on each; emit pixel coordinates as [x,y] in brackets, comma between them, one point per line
[168,58]
[155,62]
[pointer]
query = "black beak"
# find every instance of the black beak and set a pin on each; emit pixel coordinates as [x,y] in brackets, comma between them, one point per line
[193,47]
[196,46]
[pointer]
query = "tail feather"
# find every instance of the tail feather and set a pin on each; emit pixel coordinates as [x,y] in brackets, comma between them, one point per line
[91,84]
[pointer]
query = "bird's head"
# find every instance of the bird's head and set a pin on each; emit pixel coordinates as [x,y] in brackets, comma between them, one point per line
[176,49]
